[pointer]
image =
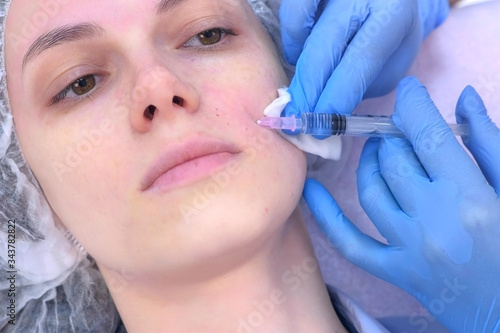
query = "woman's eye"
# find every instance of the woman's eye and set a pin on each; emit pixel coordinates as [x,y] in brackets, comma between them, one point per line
[83,85]
[208,37]
[80,87]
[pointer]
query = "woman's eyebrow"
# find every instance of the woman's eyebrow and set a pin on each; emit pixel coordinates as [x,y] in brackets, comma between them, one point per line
[64,34]
[166,5]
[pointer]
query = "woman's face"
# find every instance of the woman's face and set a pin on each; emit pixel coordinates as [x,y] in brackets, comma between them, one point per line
[108,96]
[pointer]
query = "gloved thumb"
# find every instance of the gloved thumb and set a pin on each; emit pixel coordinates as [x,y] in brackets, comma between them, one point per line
[484,139]
[354,245]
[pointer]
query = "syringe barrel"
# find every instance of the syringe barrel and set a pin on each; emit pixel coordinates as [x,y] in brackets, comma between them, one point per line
[323,124]
[326,124]
[372,126]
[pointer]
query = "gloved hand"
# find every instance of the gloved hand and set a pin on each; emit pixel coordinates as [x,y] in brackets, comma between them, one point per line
[438,211]
[355,49]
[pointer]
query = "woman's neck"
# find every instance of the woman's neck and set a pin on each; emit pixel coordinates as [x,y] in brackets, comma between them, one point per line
[279,289]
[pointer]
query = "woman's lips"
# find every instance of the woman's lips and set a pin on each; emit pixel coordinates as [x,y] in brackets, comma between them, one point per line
[186,163]
[191,171]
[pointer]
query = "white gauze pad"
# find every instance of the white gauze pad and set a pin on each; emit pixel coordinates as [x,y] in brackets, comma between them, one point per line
[329,148]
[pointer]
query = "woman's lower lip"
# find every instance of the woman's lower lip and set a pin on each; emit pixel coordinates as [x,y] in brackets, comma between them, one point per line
[191,171]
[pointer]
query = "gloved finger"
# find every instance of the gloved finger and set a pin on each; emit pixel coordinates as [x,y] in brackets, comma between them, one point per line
[354,245]
[396,66]
[376,197]
[433,141]
[484,139]
[321,56]
[297,19]
[433,14]
[366,56]
[402,172]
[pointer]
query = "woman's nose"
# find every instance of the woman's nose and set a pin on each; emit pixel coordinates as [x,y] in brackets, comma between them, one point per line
[158,95]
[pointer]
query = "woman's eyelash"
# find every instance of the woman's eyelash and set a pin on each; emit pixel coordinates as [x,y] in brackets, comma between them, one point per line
[60,96]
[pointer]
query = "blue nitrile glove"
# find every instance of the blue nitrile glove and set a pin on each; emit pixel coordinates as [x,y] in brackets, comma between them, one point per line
[355,49]
[438,211]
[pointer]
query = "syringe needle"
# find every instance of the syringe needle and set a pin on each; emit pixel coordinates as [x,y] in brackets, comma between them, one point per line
[283,123]
[270,122]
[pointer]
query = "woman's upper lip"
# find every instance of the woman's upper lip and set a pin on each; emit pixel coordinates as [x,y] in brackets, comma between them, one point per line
[184,152]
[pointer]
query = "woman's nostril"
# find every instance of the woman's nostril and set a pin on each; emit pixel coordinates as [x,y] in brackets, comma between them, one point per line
[150,112]
[178,100]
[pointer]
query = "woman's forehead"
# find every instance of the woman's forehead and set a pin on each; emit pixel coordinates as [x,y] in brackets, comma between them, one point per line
[35,14]
[37,11]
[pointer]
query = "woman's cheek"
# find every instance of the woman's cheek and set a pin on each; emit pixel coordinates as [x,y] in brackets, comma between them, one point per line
[76,159]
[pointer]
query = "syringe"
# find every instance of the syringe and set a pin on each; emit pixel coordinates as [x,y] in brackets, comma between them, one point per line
[327,124]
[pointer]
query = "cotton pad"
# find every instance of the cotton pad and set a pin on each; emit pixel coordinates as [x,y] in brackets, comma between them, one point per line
[330,148]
